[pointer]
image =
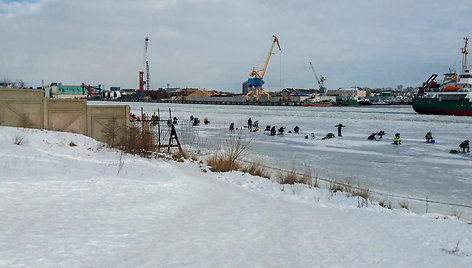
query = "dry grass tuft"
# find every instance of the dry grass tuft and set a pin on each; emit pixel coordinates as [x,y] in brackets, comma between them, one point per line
[288,177]
[227,159]
[385,203]
[256,169]
[307,177]
[72,144]
[336,187]
[362,192]
[221,163]
[404,204]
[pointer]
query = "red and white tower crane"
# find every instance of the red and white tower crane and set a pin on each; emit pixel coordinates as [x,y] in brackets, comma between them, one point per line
[144,66]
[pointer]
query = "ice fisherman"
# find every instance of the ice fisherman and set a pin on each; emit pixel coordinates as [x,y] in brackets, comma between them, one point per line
[465,146]
[206,121]
[296,129]
[267,128]
[196,122]
[372,137]
[328,136]
[340,126]
[428,137]
[273,131]
[281,130]
[231,126]
[397,140]
[175,120]
[249,123]
[381,133]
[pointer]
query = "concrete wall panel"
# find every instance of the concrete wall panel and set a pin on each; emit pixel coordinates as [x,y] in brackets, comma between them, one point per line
[67,115]
[22,108]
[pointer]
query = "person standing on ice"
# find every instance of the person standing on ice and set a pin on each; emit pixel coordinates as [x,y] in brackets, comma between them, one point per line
[249,124]
[339,126]
[296,129]
[397,140]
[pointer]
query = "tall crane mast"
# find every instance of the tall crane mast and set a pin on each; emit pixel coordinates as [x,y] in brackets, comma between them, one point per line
[320,81]
[256,81]
[465,51]
[144,66]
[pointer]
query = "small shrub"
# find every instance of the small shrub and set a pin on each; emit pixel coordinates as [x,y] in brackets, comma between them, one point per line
[405,204]
[227,159]
[72,144]
[336,187]
[256,169]
[220,163]
[288,177]
[385,203]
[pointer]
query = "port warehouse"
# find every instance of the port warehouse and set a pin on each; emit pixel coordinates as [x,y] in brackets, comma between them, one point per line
[29,108]
[287,97]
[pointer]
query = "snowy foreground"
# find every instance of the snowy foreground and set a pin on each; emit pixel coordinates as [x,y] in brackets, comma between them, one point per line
[89,206]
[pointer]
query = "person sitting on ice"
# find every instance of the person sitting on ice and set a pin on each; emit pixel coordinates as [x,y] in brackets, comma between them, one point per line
[465,146]
[381,134]
[175,120]
[397,140]
[231,126]
[256,124]
[372,137]
[328,136]
[281,130]
[428,137]
[196,122]
[296,129]
[273,131]
[267,128]
[206,121]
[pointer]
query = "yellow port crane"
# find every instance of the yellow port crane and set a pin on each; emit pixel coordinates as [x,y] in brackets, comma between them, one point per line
[256,82]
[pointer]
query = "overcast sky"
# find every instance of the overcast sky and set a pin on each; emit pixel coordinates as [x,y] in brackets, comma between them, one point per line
[213,44]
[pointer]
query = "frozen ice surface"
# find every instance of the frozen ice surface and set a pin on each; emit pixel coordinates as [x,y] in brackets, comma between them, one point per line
[414,169]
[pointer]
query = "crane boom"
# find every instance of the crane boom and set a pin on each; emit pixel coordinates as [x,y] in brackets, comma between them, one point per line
[318,80]
[254,73]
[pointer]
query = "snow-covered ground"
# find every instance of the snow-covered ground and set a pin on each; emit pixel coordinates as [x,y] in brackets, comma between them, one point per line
[89,206]
[412,170]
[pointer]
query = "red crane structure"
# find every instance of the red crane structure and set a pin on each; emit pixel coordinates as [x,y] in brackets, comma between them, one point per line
[91,91]
[144,66]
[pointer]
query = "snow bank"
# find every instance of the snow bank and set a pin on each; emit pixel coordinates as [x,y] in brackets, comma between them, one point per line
[89,206]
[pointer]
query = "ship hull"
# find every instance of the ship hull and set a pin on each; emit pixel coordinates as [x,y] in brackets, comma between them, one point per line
[435,106]
[317,104]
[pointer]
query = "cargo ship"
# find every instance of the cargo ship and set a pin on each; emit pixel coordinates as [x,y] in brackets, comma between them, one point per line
[451,97]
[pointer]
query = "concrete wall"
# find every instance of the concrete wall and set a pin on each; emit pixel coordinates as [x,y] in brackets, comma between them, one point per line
[21,108]
[28,108]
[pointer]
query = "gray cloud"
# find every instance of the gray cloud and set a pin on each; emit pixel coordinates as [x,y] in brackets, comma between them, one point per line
[214,44]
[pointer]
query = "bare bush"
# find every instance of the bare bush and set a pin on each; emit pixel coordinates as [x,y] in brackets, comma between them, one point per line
[226,159]
[135,139]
